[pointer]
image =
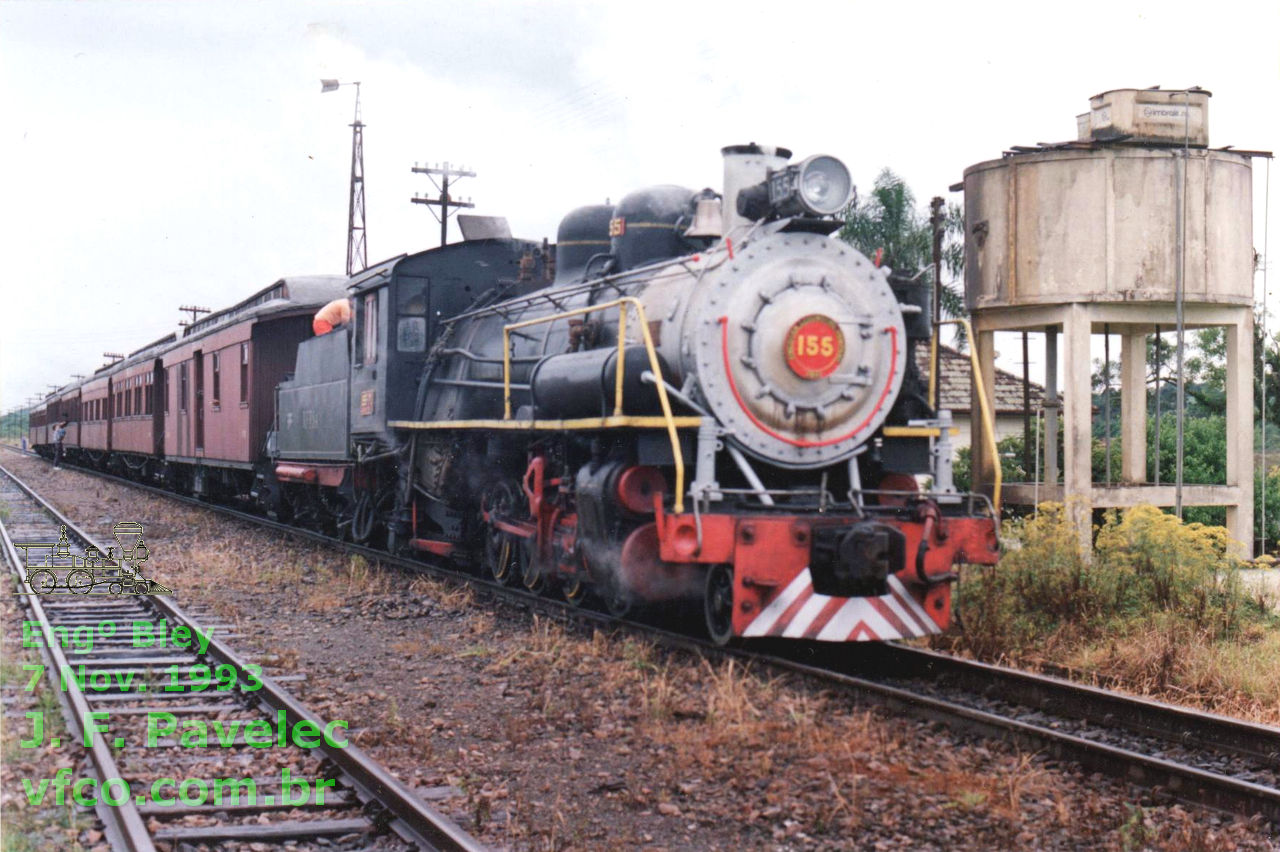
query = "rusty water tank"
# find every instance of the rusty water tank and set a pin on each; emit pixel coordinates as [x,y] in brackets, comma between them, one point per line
[1099,222]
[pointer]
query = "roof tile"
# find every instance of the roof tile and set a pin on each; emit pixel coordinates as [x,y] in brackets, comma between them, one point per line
[953,367]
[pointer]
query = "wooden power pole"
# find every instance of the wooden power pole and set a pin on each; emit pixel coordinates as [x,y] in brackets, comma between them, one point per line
[445,201]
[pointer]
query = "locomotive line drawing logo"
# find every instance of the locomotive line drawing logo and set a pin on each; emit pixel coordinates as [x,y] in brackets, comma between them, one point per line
[51,567]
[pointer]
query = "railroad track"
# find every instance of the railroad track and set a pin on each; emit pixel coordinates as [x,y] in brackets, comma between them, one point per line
[1192,756]
[190,743]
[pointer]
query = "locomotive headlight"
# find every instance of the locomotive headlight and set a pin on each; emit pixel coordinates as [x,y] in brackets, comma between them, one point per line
[818,186]
[825,184]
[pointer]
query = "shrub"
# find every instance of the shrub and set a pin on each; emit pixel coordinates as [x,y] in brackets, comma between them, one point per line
[1146,564]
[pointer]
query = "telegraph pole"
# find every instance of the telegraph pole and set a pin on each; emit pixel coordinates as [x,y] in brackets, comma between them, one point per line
[937,221]
[444,201]
[357,250]
[194,310]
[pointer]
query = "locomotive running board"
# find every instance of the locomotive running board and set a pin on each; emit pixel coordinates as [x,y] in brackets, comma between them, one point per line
[614,422]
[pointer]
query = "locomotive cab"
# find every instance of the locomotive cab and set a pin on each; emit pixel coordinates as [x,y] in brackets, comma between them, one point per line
[400,307]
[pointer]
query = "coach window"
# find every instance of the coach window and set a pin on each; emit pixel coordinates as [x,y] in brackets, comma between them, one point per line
[137,395]
[411,328]
[182,385]
[244,374]
[217,382]
[168,383]
[370,328]
[128,398]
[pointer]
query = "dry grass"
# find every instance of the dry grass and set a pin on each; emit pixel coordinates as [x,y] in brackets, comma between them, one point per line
[449,594]
[323,599]
[751,728]
[1158,610]
[1170,662]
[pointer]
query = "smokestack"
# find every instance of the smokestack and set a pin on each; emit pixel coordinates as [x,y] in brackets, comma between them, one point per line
[744,167]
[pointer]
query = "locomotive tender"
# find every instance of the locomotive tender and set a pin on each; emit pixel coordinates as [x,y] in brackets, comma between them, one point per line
[700,396]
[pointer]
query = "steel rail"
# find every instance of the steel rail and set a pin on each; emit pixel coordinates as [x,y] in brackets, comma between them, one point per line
[406,814]
[1168,722]
[122,823]
[1185,783]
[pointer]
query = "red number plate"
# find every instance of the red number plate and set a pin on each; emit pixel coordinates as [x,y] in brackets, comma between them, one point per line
[815,347]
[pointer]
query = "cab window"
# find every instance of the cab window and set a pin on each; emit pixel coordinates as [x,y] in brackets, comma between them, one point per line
[370,328]
[411,327]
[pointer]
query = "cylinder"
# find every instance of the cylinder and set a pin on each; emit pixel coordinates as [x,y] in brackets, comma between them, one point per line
[584,384]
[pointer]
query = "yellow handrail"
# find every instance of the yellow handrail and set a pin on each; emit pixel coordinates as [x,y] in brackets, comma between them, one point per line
[623,303]
[988,425]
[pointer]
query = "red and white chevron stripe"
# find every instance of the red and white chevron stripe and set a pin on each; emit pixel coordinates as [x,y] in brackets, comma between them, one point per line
[798,612]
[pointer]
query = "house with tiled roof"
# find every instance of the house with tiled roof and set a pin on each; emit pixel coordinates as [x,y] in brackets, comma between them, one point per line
[955,372]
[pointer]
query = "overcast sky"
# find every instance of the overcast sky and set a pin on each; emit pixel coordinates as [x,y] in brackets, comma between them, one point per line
[166,153]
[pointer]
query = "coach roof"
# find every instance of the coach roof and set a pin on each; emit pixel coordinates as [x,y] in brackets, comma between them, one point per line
[303,291]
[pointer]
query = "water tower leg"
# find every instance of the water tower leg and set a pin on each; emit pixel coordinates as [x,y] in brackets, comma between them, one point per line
[1133,408]
[1240,428]
[1051,405]
[1077,421]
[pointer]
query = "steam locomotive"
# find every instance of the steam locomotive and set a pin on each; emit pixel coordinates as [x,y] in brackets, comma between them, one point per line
[694,395]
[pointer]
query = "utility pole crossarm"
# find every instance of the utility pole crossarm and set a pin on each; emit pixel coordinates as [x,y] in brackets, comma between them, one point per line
[445,201]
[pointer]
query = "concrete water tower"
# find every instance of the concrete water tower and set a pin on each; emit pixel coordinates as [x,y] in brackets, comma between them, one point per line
[1103,235]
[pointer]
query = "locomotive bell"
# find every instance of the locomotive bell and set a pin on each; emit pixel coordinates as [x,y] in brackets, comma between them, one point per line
[707,219]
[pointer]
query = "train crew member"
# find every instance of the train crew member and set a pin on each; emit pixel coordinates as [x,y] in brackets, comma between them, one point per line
[332,315]
[59,433]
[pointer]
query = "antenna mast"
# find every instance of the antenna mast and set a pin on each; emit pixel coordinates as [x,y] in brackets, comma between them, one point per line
[357,250]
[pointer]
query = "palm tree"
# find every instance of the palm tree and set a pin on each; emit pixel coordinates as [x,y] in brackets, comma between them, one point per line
[886,224]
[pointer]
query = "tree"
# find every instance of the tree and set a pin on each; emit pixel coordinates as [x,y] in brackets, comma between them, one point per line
[887,223]
[1206,371]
